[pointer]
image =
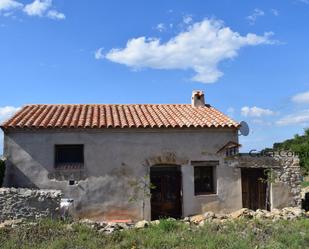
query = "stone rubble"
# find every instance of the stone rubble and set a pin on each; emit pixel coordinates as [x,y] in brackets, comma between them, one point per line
[304,191]
[288,213]
[141,224]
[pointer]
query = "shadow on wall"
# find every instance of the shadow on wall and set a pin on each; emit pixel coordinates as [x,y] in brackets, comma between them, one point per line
[13,173]
[24,160]
[2,171]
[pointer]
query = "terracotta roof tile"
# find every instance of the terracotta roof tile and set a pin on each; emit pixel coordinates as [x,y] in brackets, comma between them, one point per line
[118,116]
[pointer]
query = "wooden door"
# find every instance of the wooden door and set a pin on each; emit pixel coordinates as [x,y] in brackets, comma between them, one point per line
[253,188]
[166,198]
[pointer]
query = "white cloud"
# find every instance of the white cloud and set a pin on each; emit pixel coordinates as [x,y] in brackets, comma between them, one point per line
[161,27]
[253,17]
[254,111]
[42,8]
[7,111]
[187,19]
[99,54]
[261,122]
[300,118]
[275,12]
[231,111]
[54,14]
[38,7]
[201,47]
[8,5]
[301,98]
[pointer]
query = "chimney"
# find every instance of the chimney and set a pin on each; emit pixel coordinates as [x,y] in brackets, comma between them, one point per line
[198,99]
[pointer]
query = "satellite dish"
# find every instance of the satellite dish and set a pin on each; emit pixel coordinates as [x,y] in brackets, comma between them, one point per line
[244,128]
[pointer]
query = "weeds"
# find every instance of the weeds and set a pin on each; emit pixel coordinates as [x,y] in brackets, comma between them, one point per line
[168,234]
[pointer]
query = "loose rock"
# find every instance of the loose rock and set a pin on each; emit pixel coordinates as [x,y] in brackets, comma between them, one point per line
[142,224]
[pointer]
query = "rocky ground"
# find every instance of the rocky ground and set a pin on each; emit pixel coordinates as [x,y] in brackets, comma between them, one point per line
[288,213]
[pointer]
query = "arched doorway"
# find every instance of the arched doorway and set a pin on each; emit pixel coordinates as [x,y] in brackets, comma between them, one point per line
[166,196]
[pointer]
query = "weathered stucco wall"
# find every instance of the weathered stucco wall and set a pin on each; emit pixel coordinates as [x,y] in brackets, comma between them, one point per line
[29,204]
[114,157]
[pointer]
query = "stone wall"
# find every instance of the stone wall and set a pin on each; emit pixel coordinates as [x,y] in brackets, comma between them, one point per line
[29,204]
[287,176]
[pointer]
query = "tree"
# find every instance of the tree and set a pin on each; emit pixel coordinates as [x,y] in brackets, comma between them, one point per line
[268,180]
[141,191]
[300,146]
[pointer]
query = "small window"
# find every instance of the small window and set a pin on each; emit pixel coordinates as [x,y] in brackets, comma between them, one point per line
[69,155]
[71,182]
[231,151]
[204,180]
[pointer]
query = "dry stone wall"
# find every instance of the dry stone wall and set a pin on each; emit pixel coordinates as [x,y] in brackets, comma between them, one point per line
[290,176]
[29,204]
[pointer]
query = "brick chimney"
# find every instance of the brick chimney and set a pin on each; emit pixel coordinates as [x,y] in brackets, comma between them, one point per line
[198,99]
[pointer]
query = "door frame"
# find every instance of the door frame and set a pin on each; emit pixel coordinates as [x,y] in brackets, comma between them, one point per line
[179,169]
[245,172]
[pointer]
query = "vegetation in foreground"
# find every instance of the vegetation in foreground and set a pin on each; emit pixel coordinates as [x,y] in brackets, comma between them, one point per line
[304,184]
[168,234]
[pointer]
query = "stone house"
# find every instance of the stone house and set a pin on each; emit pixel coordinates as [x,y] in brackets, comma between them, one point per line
[101,155]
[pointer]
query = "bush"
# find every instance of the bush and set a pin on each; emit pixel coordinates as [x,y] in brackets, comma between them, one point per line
[167,225]
[2,171]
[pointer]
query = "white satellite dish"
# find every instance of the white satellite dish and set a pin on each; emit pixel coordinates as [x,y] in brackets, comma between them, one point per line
[244,128]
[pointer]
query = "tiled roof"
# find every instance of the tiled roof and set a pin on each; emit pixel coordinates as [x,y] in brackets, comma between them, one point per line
[118,116]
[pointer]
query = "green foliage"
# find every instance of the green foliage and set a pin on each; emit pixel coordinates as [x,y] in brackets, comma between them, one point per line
[299,145]
[304,184]
[270,176]
[141,190]
[168,225]
[2,171]
[240,234]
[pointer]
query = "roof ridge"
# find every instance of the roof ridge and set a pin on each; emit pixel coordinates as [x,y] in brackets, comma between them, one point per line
[93,104]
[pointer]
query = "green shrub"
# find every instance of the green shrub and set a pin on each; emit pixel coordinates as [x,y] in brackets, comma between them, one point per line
[167,225]
[2,170]
[305,184]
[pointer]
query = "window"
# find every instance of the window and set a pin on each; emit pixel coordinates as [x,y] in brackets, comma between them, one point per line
[69,155]
[231,151]
[71,182]
[204,180]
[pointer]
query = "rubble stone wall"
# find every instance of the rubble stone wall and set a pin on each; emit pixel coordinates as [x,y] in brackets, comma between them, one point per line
[288,176]
[16,203]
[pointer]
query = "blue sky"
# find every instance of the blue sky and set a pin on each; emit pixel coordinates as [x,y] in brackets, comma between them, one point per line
[250,57]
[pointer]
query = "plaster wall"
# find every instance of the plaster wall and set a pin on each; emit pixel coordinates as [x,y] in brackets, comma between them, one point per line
[113,158]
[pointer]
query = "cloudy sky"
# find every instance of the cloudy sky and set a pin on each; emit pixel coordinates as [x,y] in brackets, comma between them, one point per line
[250,57]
